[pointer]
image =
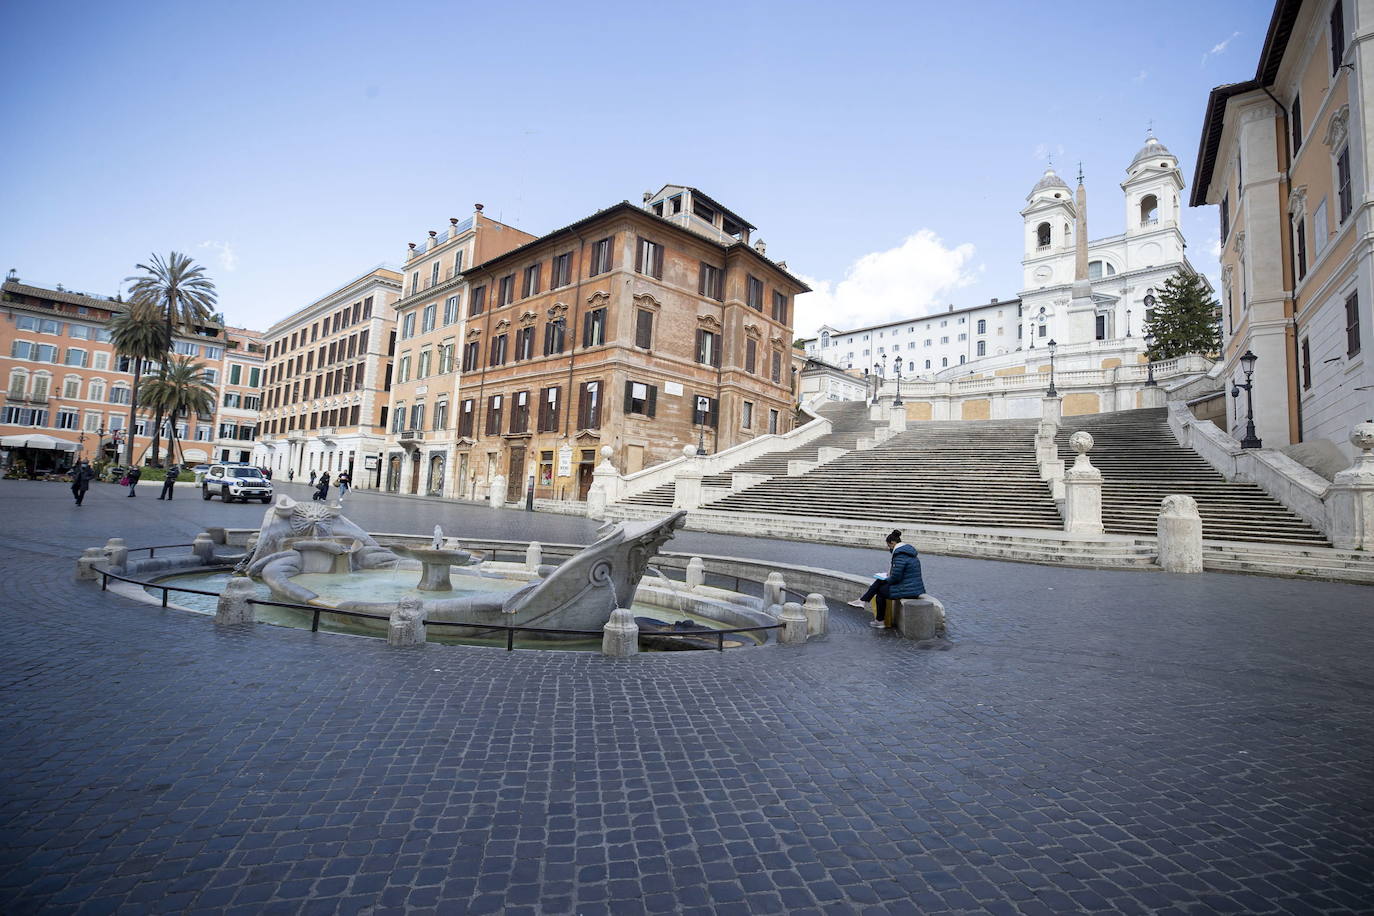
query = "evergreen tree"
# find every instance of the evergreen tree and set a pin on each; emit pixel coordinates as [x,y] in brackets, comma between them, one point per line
[1186,319]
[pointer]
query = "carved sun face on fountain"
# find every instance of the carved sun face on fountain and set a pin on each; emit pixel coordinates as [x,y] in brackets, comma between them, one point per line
[315,519]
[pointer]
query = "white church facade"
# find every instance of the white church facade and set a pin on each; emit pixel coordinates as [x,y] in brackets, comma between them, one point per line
[1095,325]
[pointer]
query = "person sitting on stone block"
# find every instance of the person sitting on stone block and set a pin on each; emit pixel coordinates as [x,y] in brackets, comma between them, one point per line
[903,580]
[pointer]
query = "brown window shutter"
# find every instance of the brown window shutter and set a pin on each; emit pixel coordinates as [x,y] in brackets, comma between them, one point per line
[629,395]
[653,400]
[715,352]
[639,255]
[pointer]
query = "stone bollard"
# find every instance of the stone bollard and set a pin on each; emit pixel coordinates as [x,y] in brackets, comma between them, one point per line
[773,590]
[794,628]
[620,635]
[534,556]
[497,497]
[1052,409]
[687,486]
[696,573]
[817,615]
[1350,500]
[921,618]
[203,548]
[87,562]
[1082,490]
[896,419]
[117,554]
[218,534]
[1152,396]
[406,629]
[1180,535]
[233,605]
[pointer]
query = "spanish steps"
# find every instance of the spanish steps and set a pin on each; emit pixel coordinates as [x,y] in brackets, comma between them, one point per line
[1141,463]
[982,474]
[848,423]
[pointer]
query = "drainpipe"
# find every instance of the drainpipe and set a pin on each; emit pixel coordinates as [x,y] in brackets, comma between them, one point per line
[1293,322]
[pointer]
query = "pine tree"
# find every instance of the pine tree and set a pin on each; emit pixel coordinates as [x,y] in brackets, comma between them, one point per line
[1186,319]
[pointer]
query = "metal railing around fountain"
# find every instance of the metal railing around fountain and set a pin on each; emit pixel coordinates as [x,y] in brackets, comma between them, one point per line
[509,629]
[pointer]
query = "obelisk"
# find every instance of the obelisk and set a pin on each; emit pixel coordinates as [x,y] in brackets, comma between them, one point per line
[1081,323]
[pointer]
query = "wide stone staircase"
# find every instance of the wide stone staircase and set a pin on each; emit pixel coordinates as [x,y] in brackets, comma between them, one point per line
[849,422]
[977,474]
[1141,463]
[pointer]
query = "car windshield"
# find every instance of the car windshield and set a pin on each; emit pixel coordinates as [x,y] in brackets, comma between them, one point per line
[244,472]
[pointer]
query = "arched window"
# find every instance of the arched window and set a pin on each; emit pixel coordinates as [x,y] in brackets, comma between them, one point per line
[825,339]
[982,348]
[19,383]
[1149,210]
[40,385]
[982,325]
[1042,235]
[97,390]
[1099,269]
[71,387]
[927,364]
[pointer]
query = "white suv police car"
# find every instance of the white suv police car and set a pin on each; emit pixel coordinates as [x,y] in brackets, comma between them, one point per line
[235,481]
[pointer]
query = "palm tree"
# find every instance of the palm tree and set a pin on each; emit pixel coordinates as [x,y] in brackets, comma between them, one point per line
[139,334]
[181,291]
[181,386]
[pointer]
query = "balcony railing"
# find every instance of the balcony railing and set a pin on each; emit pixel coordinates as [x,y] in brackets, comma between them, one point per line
[412,435]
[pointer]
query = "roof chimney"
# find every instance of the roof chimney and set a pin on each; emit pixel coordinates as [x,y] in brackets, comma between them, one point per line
[994,299]
[477,207]
[761,247]
[648,196]
[410,253]
[951,306]
[453,221]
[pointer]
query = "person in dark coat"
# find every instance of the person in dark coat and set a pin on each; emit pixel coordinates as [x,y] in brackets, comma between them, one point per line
[81,480]
[322,491]
[903,580]
[169,482]
[133,475]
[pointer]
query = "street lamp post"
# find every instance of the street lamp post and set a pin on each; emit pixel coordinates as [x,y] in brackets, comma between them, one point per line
[1052,347]
[897,401]
[703,415]
[877,383]
[1128,322]
[1149,361]
[1247,363]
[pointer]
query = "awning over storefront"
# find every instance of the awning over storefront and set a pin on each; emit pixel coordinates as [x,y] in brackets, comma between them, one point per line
[38,441]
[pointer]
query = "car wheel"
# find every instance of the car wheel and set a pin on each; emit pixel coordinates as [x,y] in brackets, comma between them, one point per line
[205,493]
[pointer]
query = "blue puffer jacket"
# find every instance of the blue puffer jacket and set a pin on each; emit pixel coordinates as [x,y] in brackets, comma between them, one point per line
[904,579]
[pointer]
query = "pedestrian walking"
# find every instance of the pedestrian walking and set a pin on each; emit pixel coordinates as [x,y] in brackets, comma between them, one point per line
[322,491]
[902,580]
[343,483]
[312,477]
[169,481]
[82,475]
[132,477]
[290,475]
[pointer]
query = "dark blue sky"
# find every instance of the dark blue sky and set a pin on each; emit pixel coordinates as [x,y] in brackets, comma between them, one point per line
[291,146]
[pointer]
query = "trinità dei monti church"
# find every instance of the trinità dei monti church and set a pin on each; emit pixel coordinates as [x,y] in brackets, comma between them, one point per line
[1091,296]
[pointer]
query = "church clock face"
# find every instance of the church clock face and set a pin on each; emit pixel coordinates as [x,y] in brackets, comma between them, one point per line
[1043,273]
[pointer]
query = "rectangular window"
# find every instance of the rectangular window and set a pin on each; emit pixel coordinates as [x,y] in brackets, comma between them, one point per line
[649,258]
[982,348]
[1306,364]
[422,371]
[445,358]
[644,328]
[705,411]
[776,375]
[505,293]
[982,326]
[746,417]
[1343,182]
[465,419]
[458,262]
[1352,324]
[1295,123]
[751,355]
[594,328]
[471,354]
[1300,244]
[589,406]
[414,283]
[408,326]
[434,273]
[403,374]
[494,415]
[520,412]
[549,409]
[601,256]
[524,343]
[773,422]
[450,310]
[554,333]
[478,302]
[530,287]
[497,355]
[779,307]
[417,416]
[641,398]
[708,348]
[561,273]
[428,315]
[76,357]
[1337,36]
[710,281]
[755,293]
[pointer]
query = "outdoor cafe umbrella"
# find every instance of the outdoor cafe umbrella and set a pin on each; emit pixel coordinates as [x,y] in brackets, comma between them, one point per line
[38,441]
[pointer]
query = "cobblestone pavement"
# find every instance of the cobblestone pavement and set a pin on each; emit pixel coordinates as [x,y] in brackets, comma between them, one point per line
[1094,741]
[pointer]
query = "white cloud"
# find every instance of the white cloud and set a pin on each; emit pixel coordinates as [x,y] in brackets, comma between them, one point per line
[224,253]
[1220,47]
[1141,76]
[912,279]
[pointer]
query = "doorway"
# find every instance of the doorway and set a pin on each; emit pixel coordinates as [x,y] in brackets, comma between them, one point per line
[515,479]
[393,474]
[415,472]
[585,469]
[436,474]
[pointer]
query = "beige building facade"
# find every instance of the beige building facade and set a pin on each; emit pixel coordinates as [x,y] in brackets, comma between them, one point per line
[1286,159]
[327,378]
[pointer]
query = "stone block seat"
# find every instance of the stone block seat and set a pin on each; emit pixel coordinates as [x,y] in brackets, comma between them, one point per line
[1141,463]
[848,423]
[966,473]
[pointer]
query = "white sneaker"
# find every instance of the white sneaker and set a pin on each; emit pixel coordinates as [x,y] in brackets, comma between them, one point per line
[856,603]
[877,624]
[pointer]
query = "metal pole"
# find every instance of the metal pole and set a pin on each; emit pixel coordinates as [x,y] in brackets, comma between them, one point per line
[510,639]
[315,622]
